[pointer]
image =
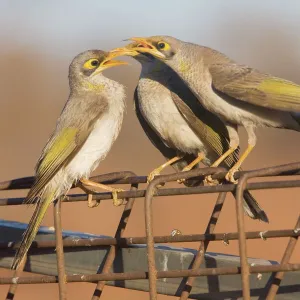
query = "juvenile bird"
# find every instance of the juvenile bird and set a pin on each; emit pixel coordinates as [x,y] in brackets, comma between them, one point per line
[237,94]
[85,131]
[169,112]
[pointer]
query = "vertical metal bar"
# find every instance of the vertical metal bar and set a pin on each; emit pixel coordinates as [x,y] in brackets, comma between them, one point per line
[278,276]
[60,251]
[242,237]
[13,287]
[203,245]
[112,251]
[150,242]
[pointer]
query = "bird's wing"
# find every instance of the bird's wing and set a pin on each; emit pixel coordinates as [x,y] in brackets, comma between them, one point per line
[249,85]
[208,127]
[70,134]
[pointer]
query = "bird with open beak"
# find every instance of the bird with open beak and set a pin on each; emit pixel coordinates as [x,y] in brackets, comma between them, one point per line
[239,95]
[177,123]
[85,131]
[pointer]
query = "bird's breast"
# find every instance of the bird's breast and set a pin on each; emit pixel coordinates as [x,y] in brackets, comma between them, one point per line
[162,115]
[97,145]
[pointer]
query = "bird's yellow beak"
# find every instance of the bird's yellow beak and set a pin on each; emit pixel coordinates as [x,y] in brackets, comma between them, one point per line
[146,46]
[109,63]
[128,51]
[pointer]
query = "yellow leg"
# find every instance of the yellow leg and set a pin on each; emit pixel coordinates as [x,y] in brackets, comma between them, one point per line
[230,175]
[91,203]
[114,191]
[199,158]
[208,180]
[157,171]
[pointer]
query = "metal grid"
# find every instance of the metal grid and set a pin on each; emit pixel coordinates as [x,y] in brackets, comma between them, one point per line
[152,275]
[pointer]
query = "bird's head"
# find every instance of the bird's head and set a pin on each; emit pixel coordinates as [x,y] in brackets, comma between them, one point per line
[90,64]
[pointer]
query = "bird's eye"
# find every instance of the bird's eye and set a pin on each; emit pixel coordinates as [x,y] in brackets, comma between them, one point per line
[91,64]
[161,45]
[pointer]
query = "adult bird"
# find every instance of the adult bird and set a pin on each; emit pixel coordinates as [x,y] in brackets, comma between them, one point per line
[170,113]
[85,131]
[239,95]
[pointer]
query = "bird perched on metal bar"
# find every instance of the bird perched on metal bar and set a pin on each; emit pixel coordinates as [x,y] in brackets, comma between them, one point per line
[172,116]
[85,131]
[237,94]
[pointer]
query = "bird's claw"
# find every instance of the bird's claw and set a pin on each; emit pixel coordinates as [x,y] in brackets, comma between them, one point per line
[180,181]
[230,176]
[116,200]
[152,175]
[91,202]
[209,181]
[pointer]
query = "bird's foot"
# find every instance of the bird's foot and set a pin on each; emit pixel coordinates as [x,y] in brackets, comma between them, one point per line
[91,202]
[209,181]
[230,176]
[89,191]
[154,173]
[116,200]
[181,181]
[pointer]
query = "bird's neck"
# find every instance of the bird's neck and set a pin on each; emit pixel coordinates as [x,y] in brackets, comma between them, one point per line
[152,67]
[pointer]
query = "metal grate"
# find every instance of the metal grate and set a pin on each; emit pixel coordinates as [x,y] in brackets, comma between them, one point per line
[120,242]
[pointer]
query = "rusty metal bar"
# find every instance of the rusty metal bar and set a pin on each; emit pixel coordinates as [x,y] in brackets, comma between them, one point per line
[127,242]
[240,216]
[112,178]
[242,237]
[203,245]
[60,251]
[112,251]
[144,275]
[170,191]
[277,277]
[149,222]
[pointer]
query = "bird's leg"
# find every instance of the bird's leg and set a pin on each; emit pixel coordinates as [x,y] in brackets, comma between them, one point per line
[233,145]
[91,203]
[157,171]
[114,191]
[251,144]
[199,158]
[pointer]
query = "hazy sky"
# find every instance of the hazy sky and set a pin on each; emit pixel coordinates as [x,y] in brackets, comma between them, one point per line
[234,27]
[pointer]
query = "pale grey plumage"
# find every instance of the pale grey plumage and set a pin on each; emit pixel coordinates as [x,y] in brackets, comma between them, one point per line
[237,94]
[85,131]
[168,107]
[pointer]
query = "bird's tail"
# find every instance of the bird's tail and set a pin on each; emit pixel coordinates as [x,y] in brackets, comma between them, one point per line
[32,229]
[252,208]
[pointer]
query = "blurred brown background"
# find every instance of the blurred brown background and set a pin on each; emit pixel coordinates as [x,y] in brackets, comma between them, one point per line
[38,41]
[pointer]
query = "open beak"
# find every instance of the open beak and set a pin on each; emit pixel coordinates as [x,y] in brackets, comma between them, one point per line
[109,63]
[146,47]
[124,51]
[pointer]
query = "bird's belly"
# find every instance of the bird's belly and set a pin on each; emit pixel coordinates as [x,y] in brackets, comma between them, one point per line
[95,148]
[166,120]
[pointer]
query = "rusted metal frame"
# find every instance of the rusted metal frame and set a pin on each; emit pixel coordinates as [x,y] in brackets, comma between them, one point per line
[38,246]
[113,249]
[277,277]
[58,230]
[240,217]
[111,178]
[203,245]
[144,275]
[60,250]
[170,191]
[152,187]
